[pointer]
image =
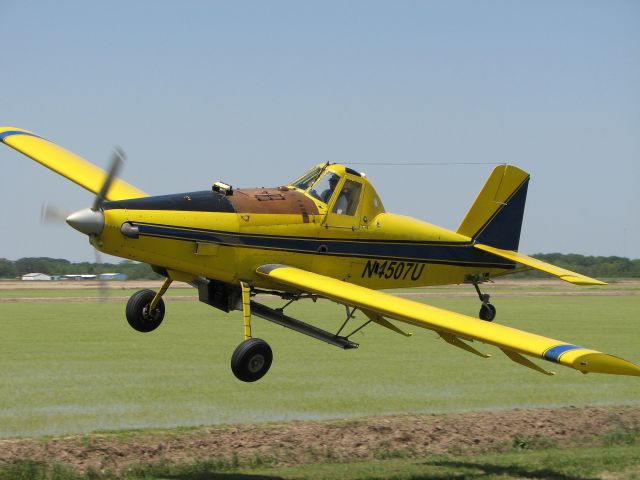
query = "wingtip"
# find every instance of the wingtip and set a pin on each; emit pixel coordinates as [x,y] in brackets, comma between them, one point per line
[6,132]
[581,280]
[597,362]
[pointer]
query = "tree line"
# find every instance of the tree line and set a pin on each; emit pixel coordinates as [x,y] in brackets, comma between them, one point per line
[599,267]
[60,266]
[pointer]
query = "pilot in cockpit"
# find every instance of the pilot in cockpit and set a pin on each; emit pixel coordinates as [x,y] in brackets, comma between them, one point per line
[324,188]
[326,194]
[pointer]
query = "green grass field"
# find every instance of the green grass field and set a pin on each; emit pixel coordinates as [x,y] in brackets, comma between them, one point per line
[118,289]
[78,367]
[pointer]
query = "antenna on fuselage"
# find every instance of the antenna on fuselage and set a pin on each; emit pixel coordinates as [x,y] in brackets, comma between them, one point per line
[419,164]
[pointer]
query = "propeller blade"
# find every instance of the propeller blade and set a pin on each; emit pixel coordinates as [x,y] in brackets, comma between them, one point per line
[52,214]
[114,167]
[89,221]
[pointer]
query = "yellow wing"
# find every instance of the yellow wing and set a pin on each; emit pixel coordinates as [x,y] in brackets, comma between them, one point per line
[566,275]
[452,327]
[67,164]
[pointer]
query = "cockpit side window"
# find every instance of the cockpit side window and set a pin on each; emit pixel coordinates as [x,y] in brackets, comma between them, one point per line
[324,188]
[347,202]
[307,179]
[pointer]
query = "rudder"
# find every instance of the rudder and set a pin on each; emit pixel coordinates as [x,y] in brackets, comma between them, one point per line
[495,218]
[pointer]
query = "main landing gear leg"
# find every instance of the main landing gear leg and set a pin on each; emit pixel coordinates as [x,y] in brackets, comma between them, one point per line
[487,310]
[145,308]
[251,359]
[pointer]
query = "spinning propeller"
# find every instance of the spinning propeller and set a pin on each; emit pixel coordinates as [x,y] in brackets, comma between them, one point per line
[52,214]
[89,221]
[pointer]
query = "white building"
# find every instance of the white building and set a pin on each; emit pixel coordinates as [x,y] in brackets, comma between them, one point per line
[30,277]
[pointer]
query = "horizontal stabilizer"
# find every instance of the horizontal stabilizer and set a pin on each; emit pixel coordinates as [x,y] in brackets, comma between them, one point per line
[563,274]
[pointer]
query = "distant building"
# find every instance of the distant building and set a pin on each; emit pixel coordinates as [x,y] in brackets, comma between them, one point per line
[78,276]
[90,276]
[30,277]
[113,276]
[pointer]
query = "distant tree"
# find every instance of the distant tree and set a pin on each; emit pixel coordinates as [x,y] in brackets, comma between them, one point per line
[136,270]
[636,267]
[598,267]
[50,266]
[7,268]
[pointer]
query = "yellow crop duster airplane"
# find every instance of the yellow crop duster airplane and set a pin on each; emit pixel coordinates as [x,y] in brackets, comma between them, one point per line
[324,235]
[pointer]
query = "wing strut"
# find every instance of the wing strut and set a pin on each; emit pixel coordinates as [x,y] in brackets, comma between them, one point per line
[280,318]
[349,317]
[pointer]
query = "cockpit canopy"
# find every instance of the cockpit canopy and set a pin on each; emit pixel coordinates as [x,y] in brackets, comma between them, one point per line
[343,190]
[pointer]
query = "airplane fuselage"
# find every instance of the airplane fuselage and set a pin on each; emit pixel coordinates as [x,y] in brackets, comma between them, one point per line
[227,237]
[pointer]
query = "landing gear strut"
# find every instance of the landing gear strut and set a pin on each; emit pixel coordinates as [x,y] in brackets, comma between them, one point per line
[487,310]
[145,309]
[251,359]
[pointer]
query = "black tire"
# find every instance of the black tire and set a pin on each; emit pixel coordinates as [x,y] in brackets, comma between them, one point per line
[138,314]
[251,360]
[487,312]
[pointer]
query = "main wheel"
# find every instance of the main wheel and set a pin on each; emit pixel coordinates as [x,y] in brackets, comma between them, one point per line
[251,360]
[138,314]
[487,312]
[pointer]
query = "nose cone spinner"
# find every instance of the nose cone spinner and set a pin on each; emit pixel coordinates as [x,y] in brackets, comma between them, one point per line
[87,221]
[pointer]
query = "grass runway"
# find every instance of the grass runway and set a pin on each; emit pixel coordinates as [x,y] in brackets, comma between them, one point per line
[77,367]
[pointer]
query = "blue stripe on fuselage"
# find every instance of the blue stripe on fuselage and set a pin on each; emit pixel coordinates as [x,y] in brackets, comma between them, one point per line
[463,254]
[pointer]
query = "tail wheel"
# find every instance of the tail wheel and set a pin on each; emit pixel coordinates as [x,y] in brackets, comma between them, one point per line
[251,360]
[139,315]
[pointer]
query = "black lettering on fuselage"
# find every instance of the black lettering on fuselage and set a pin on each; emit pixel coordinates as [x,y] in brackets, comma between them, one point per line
[369,269]
[393,270]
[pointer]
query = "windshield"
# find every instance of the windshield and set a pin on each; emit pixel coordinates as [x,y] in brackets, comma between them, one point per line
[307,179]
[324,188]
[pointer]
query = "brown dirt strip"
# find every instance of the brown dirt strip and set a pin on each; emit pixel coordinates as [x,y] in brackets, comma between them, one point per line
[310,442]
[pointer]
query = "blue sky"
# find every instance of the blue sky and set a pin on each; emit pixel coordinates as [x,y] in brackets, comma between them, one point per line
[254,93]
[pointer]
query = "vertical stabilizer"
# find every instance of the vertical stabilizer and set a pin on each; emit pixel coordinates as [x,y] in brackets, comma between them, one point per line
[495,218]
